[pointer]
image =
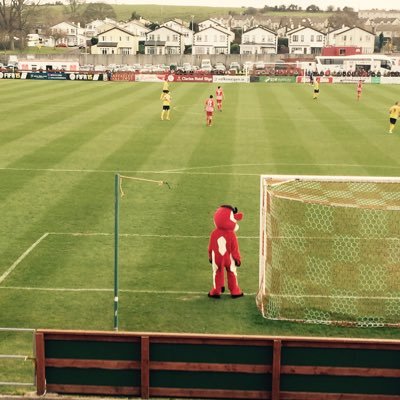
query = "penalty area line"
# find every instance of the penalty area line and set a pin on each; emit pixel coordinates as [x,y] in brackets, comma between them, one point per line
[21,258]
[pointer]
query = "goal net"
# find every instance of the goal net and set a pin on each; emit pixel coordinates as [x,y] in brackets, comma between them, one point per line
[330,250]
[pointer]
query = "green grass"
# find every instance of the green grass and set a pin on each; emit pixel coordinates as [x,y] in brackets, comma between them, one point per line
[61,144]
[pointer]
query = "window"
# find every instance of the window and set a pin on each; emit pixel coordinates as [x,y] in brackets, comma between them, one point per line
[205,38]
[263,39]
[151,37]
[103,38]
[302,38]
[312,38]
[344,37]
[198,38]
[167,38]
[319,38]
[245,39]
[368,38]
[295,38]
[175,38]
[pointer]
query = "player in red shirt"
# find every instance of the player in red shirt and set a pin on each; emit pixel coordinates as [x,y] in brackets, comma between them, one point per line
[219,95]
[359,89]
[209,109]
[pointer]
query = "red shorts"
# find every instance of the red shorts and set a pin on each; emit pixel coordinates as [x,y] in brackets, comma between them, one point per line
[210,113]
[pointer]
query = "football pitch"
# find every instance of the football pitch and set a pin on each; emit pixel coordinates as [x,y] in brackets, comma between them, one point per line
[61,144]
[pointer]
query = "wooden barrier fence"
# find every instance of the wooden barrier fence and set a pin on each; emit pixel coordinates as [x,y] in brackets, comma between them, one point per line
[216,366]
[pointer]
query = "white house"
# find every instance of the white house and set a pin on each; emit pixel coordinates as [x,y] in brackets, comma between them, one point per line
[259,40]
[137,28]
[68,34]
[164,40]
[356,37]
[177,26]
[212,22]
[305,40]
[211,40]
[116,41]
[330,38]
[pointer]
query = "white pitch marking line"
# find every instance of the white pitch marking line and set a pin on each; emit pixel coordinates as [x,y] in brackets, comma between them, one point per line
[141,235]
[106,290]
[15,264]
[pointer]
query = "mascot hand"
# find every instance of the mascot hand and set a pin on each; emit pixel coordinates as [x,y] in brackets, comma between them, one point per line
[237,263]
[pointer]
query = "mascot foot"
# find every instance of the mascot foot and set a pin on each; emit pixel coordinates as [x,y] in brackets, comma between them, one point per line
[235,296]
[214,296]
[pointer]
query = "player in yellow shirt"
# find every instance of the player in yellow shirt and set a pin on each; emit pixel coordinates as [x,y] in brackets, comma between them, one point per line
[316,89]
[166,104]
[394,113]
[165,88]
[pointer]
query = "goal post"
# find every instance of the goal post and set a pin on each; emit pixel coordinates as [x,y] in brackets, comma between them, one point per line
[330,249]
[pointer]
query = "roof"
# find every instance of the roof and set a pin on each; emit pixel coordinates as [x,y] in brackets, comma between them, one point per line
[260,27]
[213,27]
[120,29]
[302,28]
[356,27]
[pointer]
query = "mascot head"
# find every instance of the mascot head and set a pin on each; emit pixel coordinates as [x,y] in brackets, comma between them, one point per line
[226,218]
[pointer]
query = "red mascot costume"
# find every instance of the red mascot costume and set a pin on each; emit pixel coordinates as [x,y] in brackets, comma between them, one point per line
[223,251]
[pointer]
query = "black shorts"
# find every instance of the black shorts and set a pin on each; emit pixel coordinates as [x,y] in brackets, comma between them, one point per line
[165,107]
[165,91]
[316,90]
[393,121]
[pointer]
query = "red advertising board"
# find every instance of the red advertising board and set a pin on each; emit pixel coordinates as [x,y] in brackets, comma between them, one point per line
[192,78]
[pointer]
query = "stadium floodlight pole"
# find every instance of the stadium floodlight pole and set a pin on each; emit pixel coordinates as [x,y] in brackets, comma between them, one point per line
[116,248]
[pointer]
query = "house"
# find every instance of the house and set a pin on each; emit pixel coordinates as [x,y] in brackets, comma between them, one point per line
[331,34]
[259,40]
[116,41]
[212,22]
[211,40]
[137,28]
[358,37]
[93,28]
[178,26]
[67,34]
[305,40]
[164,40]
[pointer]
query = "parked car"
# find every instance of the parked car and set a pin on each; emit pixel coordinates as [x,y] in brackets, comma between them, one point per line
[220,68]
[187,68]
[259,65]
[234,67]
[248,66]
[205,65]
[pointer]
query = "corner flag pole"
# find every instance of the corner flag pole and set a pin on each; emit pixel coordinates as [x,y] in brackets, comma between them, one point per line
[116,247]
[119,192]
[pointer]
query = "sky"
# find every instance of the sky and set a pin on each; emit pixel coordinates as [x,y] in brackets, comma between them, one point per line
[323,4]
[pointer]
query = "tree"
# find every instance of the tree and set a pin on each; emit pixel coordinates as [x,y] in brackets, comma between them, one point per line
[381,41]
[338,19]
[15,19]
[98,11]
[250,11]
[134,16]
[73,10]
[330,8]
[313,8]
[94,41]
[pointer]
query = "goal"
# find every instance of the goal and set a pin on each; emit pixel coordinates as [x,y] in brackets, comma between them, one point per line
[330,249]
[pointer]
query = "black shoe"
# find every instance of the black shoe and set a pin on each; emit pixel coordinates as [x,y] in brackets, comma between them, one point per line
[214,296]
[222,289]
[235,296]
